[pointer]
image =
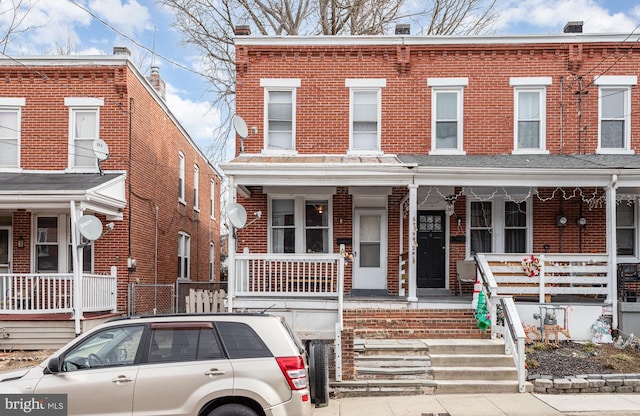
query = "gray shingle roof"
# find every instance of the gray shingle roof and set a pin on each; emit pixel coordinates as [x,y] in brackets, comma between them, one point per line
[30,182]
[531,161]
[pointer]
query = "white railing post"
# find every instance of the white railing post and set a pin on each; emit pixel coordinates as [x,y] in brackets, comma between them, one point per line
[542,279]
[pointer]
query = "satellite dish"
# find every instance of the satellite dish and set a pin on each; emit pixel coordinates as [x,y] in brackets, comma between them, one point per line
[100,149]
[237,215]
[240,126]
[90,227]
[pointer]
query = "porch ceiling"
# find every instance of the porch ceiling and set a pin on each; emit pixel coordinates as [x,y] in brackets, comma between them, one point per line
[100,193]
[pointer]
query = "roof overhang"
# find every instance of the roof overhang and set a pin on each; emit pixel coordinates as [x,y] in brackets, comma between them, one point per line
[94,192]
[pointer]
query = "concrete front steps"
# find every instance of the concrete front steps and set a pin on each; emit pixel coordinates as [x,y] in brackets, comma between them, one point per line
[429,366]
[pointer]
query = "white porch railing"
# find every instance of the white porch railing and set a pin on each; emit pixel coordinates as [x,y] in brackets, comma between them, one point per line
[53,293]
[510,329]
[289,275]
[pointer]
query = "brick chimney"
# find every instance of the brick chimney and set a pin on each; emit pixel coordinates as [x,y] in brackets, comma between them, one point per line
[157,82]
[121,50]
[242,30]
[403,29]
[573,27]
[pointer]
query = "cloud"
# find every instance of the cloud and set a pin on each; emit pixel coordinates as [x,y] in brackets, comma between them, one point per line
[130,17]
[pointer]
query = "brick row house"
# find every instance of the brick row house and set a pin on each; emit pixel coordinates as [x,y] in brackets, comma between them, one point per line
[373,165]
[90,136]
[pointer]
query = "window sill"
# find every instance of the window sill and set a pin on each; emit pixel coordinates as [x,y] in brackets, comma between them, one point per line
[365,153]
[437,152]
[601,151]
[530,152]
[182,201]
[280,152]
[82,170]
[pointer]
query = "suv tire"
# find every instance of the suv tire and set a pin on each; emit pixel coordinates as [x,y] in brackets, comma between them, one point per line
[233,409]
[318,373]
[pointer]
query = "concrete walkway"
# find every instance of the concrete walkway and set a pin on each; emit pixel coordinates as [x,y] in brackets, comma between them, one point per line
[485,405]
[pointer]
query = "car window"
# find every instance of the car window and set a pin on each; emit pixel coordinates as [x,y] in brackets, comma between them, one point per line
[183,344]
[107,348]
[241,341]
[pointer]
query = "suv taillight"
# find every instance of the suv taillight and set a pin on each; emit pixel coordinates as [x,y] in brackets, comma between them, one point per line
[294,371]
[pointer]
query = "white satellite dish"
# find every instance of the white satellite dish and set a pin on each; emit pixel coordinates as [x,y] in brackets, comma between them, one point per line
[240,126]
[237,215]
[100,149]
[90,227]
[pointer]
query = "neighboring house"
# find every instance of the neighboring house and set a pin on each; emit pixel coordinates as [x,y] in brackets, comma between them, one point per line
[414,152]
[90,135]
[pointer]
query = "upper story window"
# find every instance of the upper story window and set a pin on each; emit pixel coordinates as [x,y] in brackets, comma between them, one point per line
[626,235]
[84,129]
[299,225]
[10,116]
[184,254]
[447,98]
[212,199]
[530,114]
[614,109]
[365,114]
[280,114]
[181,184]
[499,226]
[196,187]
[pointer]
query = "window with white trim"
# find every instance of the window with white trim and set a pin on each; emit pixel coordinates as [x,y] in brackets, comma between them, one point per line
[365,114]
[184,254]
[84,129]
[196,187]
[499,226]
[212,261]
[299,225]
[87,252]
[212,199]
[47,244]
[181,178]
[626,234]
[10,118]
[280,114]
[530,114]
[447,115]
[614,112]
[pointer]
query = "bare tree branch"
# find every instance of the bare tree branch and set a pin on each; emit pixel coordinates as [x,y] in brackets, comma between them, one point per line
[13,21]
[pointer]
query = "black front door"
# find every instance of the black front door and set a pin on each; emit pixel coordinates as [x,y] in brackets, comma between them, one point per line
[431,249]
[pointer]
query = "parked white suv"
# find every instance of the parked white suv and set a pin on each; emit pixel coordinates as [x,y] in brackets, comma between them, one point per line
[205,365]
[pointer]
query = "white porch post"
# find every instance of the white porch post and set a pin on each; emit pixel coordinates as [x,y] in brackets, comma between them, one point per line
[77,268]
[611,248]
[413,242]
[231,258]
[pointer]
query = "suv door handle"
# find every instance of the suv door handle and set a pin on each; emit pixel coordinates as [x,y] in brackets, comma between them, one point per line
[214,372]
[121,379]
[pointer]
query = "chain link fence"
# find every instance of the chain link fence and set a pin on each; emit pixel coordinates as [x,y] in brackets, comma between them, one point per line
[151,299]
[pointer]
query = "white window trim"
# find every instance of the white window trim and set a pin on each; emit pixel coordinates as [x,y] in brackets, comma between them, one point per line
[455,85]
[497,221]
[212,261]
[181,177]
[14,104]
[616,82]
[81,104]
[184,238]
[61,242]
[279,84]
[212,199]
[366,84]
[299,223]
[635,257]
[196,188]
[533,84]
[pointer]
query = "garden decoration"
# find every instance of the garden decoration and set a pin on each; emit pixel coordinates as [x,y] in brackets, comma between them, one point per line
[531,266]
[528,330]
[601,331]
[482,312]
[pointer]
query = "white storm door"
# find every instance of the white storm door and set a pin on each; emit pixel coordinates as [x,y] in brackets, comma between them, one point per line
[370,249]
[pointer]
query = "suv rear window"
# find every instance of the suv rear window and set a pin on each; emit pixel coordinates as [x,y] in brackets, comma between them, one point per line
[241,341]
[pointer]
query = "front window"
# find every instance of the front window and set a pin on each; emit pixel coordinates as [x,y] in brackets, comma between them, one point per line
[184,254]
[614,102]
[112,347]
[86,253]
[447,114]
[530,107]
[365,114]
[481,226]
[300,225]
[500,226]
[46,247]
[10,116]
[626,228]
[84,129]
[515,227]
[181,184]
[280,114]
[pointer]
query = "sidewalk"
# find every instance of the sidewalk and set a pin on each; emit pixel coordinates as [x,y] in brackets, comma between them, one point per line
[517,404]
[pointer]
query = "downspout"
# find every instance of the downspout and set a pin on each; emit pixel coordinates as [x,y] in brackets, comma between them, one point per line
[129,205]
[611,251]
[580,116]
[561,111]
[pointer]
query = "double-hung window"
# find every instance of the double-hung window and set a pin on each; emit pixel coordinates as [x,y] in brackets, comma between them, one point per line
[10,116]
[365,114]
[530,114]
[626,234]
[499,226]
[84,129]
[447,98]
[614,108]
[181,178]
[299,225]
[196,187]
[184,254]
[280,114]
[212,199]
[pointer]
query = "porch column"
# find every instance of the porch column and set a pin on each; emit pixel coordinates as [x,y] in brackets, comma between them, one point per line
[413,242]
[611,248]
[231,248]
[77,267]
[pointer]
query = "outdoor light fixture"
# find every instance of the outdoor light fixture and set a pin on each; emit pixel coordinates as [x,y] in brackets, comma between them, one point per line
[21,242]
